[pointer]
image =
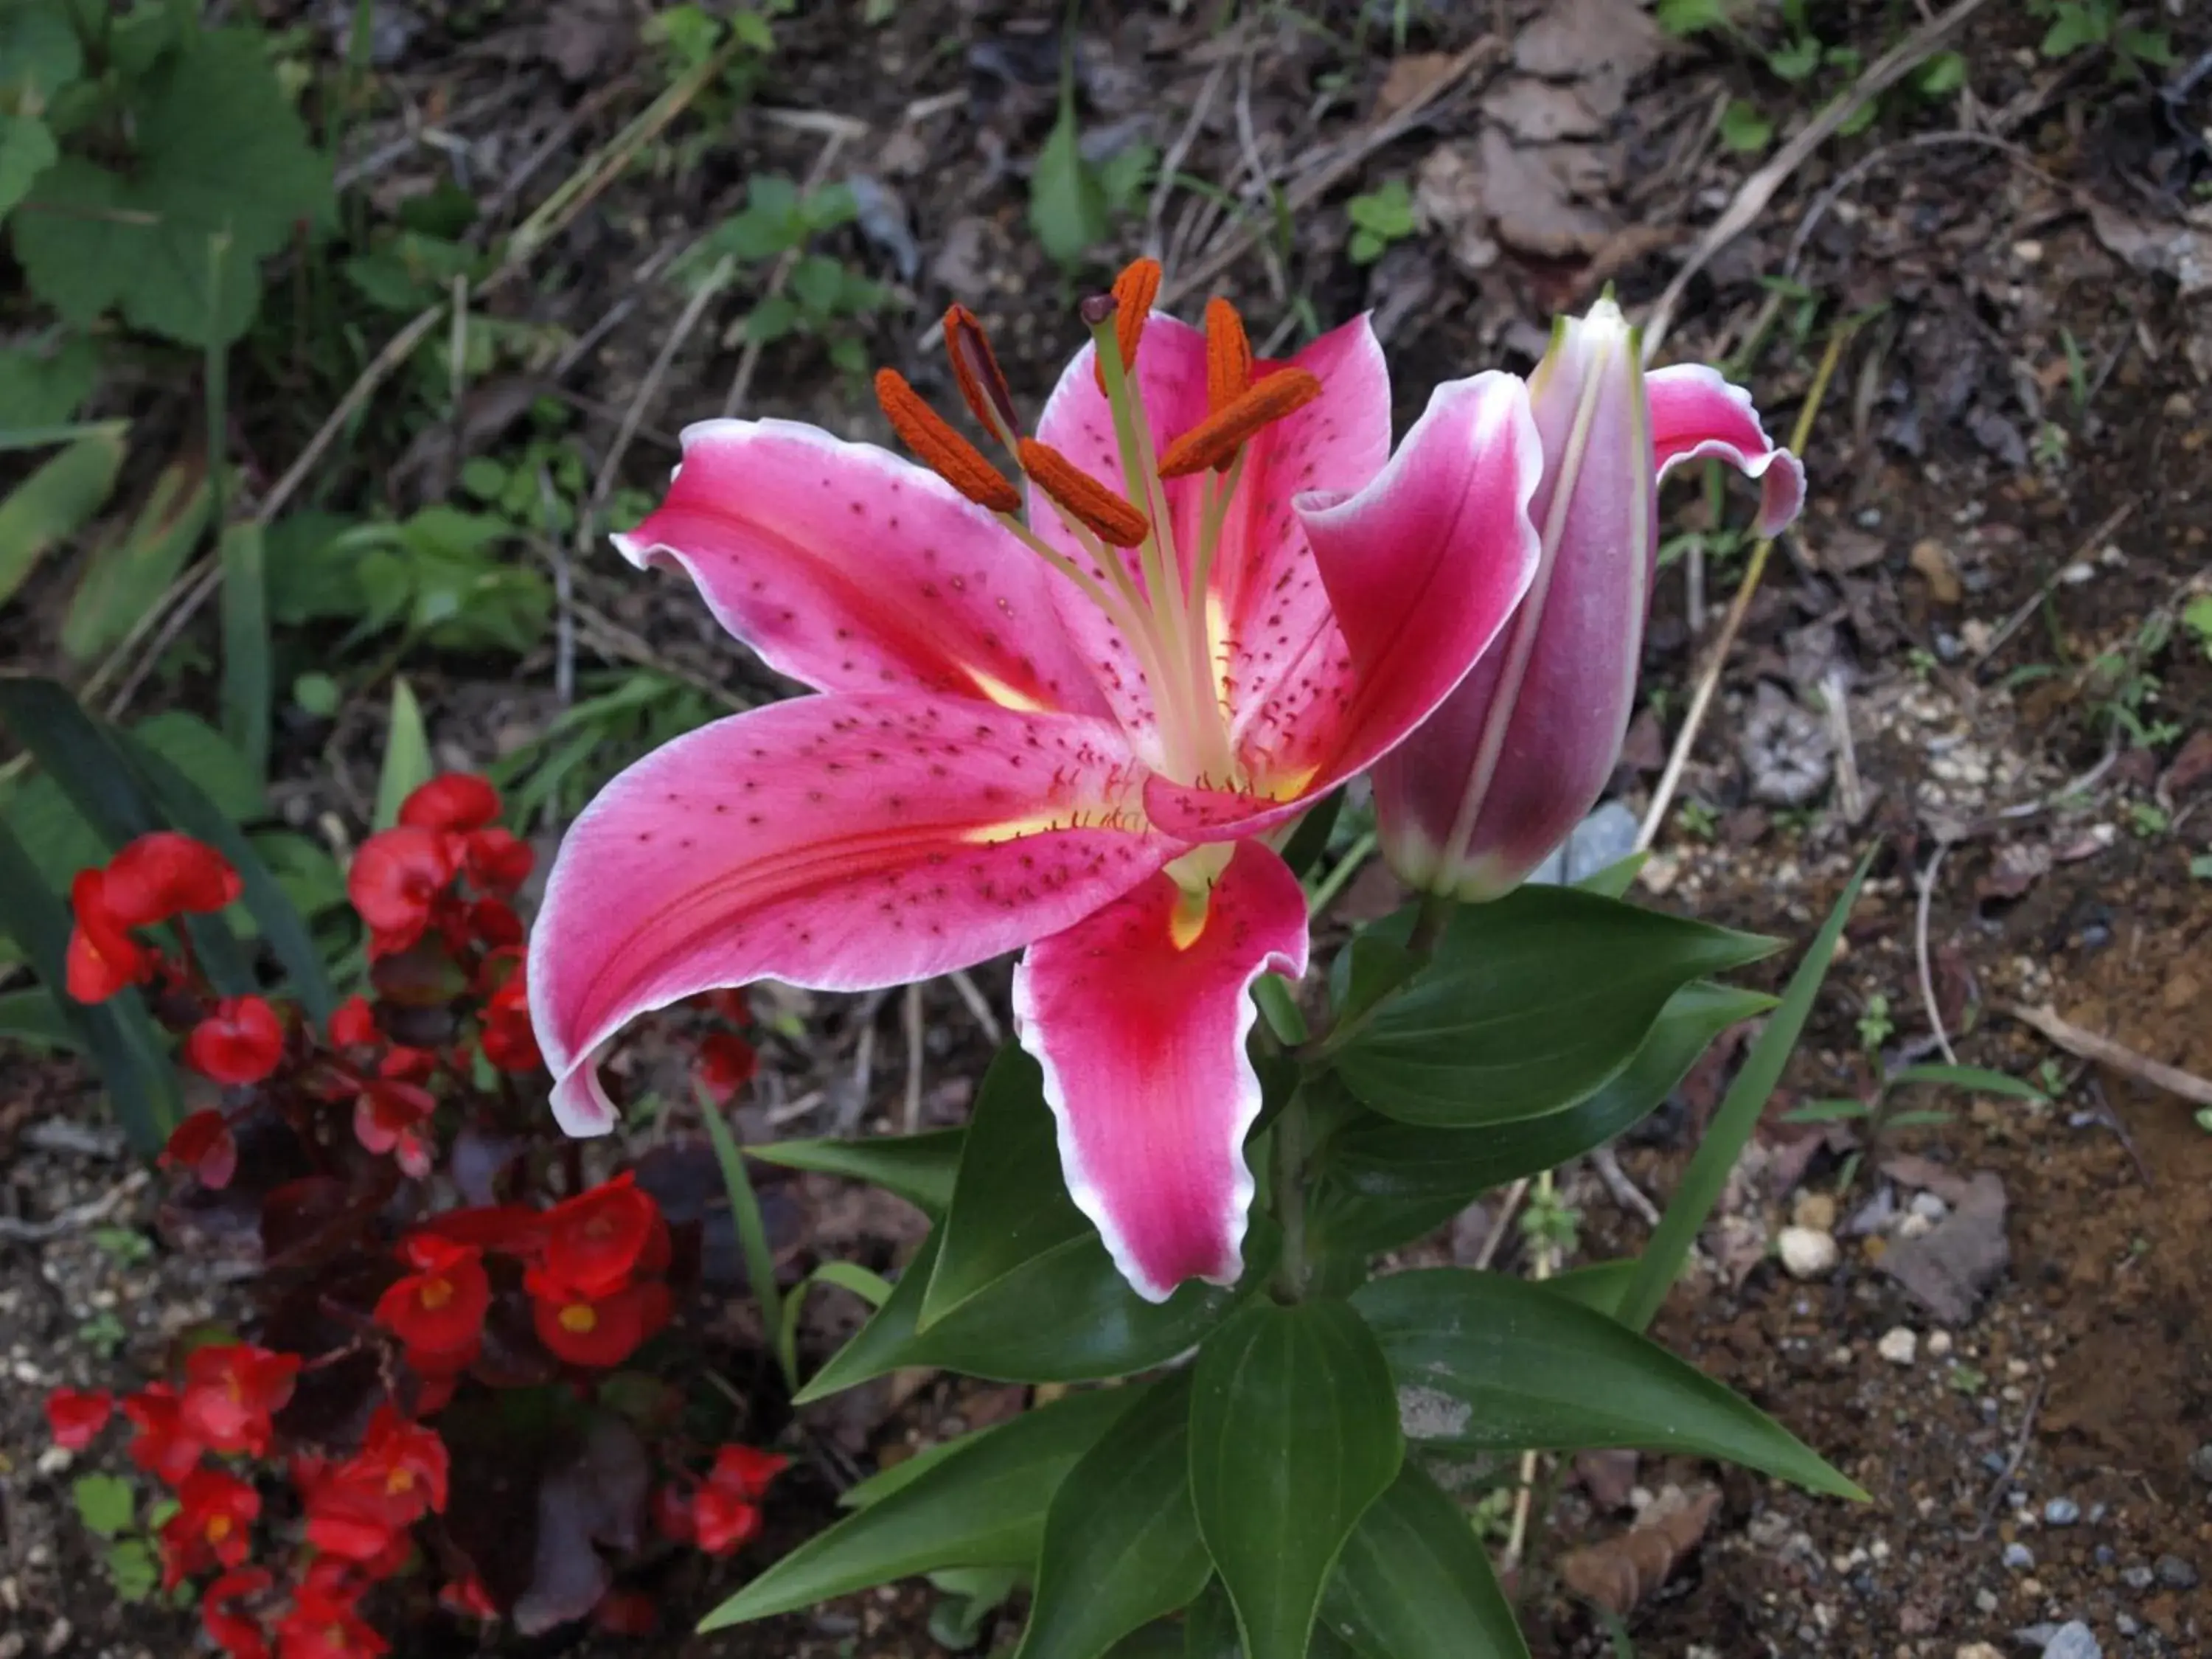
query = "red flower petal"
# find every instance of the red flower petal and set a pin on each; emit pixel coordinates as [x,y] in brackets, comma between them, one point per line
[75,1415]
[452,800]
[239,1043]
[165,874]
[203,1145]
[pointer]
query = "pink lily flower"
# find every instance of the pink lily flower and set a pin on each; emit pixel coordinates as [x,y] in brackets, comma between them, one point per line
[1500,775]
[1068,730]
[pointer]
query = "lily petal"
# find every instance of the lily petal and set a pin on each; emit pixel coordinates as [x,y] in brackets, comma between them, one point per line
[1424,568]
[843,843]
[851,570]
[1141,1036]
[1698,415]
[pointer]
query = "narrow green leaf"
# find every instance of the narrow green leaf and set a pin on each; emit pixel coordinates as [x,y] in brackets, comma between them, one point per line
[1303,850]
[752,1236]
[55,502]
[1530,1004]
[81,756]
[1120,1540]
[1415,1584]
[406,755]
[118,1034]
[1596,1284]
[1294,1433]
[1161,1640]
[1066,1315]
[121,574]
[919,1169]
[1660,1264]
[1978,1080]
[1487,1362]
[1067,209]
[248,688]
[1009,1204]
[979,1505]
[1616,878]
[1384,1183]
[282,929]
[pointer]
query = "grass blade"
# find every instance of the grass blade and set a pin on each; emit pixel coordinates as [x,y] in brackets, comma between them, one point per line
[1657,1268]
[406,755]
[752,1237]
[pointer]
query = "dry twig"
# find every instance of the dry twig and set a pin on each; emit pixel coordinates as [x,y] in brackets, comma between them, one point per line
[2106,1052]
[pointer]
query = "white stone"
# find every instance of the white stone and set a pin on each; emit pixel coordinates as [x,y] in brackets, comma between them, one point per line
[1939,1345]
[1806,1252]
[1899,1345]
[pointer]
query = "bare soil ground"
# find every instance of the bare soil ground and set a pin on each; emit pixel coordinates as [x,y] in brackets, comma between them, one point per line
[2032,258]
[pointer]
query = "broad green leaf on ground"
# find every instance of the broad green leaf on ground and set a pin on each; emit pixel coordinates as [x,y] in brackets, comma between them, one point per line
[1731,1128]
[1067,209]
[1294,1432]
[1009,1205]
[1414,1583]
[55,502]
[981,1504]
[26,150]
[1120,1540]
[221,154]
[1528,1005]
[46,387]
[1487,1362]
[39,51]
[920,1168]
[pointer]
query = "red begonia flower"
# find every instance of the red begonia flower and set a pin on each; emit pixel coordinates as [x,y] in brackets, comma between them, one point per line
[165,874]
[746,1470]
[237,1634]
[722,1521]
[388,1117]
[595,1241]
[239,1043]
[397,879]
[353,1025]
[438,1311]
[499,861]
[231,1391]
[726,1064]
[77,1415]
[213,1525]
[203,1144]
[452,800]
[162,1446]
[103,958]
[325,1624]
[595,1332]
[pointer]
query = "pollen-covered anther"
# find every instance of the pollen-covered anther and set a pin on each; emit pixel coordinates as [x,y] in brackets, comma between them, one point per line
[941,449]
[1228,356]
[1219,437]
[1116,522]
[975,365]
[1134,291]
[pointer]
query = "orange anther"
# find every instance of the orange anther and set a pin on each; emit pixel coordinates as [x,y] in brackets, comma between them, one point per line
[942,449]
[1134,290]
[1219,437]
[975,365]
[1228,356]
[1083,496]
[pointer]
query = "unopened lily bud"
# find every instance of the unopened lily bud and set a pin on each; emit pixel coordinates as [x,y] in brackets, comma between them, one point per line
[1496,778]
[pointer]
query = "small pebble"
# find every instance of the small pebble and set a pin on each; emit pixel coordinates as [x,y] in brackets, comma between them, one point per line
[2104,1555]
[2019,1556]
[2138,1577]
[1915,1226]
[1806,1252]
[1939,1345]
[2072,1640]
[2175,1571]
[1928,1205]
[2200,1462]
[1899,1345]
[1817,1211]
[2062,1512]
[1976,1651]
[1986,1601]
